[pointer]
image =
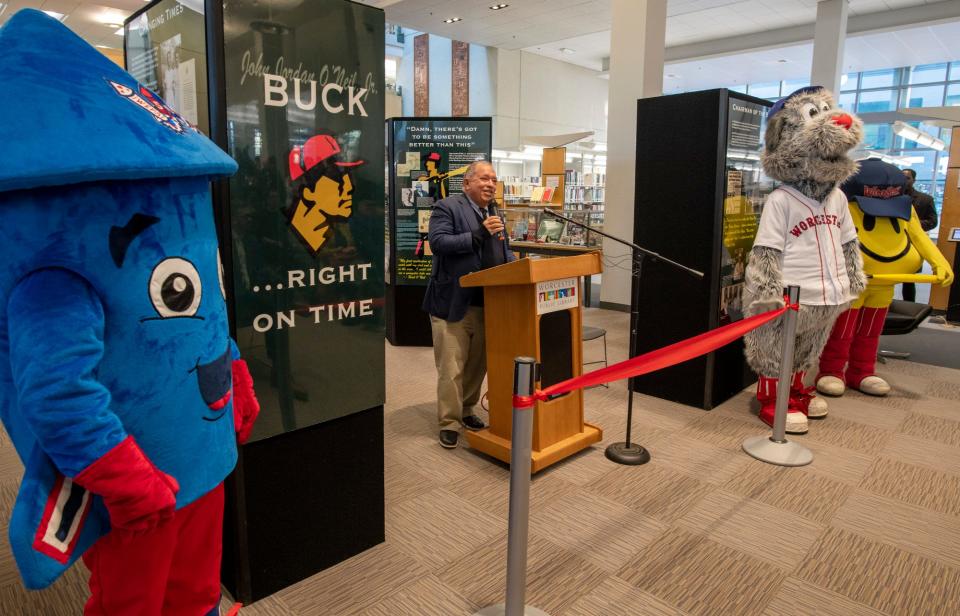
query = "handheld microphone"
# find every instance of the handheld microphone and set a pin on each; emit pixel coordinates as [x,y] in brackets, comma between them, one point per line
[492,210]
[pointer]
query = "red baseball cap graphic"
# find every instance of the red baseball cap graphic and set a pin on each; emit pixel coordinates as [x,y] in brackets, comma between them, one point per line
[316,150]
[434,156]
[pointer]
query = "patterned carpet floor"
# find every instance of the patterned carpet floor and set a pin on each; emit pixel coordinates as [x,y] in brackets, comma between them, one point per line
[872,527]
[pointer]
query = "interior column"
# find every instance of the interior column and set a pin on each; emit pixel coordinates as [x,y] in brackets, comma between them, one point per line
[636,71]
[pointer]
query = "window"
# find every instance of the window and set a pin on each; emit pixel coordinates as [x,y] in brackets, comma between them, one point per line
[879,79]
[928,73]
[849,81]
[879,100]
[955,71]
[765,90]
[741,89]
[953,95]
[847,101]
[920,161]
[924,96]
[876,136]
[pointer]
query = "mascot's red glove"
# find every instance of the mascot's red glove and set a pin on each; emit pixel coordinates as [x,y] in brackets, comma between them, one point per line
[245,405]
[138,495]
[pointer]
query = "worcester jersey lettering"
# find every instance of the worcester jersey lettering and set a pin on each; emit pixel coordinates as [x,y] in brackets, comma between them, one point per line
[811,236]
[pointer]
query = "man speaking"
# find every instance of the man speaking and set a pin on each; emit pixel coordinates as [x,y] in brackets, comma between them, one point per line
[465,236]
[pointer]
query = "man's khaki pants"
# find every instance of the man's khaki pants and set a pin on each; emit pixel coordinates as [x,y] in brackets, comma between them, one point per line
[461,356]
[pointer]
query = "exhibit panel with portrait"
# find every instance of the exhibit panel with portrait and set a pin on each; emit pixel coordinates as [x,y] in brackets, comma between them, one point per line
[426,161]
[306,206]
[165,50]
[746,189]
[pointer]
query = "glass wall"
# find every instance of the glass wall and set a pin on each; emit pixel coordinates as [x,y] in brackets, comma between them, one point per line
[873,95]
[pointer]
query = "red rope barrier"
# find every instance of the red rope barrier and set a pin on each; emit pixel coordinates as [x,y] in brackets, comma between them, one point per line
[659,359]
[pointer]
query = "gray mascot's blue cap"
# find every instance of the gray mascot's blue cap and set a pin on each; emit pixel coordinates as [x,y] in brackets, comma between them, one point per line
[777,106]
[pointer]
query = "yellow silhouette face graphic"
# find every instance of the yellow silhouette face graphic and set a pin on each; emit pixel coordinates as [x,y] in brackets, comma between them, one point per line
[327,199]
[885,243]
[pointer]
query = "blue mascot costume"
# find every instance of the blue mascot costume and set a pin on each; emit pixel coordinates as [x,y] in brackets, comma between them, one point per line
[119,384]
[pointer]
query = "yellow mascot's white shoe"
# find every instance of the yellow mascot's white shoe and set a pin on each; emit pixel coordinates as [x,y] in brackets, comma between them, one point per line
[874,386]
[831,386]
[817,408]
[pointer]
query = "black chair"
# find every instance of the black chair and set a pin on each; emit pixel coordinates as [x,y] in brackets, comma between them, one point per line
[592,333]
[903,318]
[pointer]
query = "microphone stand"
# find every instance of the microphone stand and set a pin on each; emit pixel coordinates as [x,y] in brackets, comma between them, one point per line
[626,452]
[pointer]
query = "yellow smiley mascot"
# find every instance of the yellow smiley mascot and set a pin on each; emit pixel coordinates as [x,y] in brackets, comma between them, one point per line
[894,246]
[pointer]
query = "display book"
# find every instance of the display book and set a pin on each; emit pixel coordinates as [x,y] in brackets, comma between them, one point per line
[532,224]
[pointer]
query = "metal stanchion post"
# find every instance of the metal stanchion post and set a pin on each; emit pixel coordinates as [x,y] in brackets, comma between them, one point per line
[520,451]
[777,449]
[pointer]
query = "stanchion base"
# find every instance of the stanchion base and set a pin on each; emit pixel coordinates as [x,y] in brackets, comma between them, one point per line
[631,454]
[500,610]
[787,453]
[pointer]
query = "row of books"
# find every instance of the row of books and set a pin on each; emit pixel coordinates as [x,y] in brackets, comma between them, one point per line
[584,194]
[523,190]
[578,178]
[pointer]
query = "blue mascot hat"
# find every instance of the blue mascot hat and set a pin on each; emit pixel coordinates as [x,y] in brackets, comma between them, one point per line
[60,128]
[777,106]
[879,188]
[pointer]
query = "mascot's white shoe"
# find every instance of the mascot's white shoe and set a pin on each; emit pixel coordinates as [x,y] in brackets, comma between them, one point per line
[831,385]
[817,408]
[874,386]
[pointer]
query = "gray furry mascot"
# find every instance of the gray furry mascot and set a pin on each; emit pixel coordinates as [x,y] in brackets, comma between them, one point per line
[806,237]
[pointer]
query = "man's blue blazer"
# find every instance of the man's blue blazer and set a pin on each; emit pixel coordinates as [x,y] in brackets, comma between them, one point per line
[452,224]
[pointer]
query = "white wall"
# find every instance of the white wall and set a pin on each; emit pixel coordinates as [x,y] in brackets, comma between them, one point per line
[441,63]
[483,81]
[557,97]
[526,94]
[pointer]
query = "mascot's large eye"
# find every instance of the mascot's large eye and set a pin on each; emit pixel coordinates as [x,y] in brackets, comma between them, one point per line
[810,110]
[223,289]
[175,288]
[825,107]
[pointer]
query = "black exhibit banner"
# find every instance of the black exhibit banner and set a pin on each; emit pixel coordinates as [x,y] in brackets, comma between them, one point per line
[164,48]
[304,110]
[746,189]
[426,161]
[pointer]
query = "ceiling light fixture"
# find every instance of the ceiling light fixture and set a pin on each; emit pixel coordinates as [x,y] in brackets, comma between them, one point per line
[911,133]
[568,51]
[452,20]
[119,32]
[497,7]
[56,15]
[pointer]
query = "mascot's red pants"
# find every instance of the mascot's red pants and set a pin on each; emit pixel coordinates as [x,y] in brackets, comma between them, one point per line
[851,351]
[172,570]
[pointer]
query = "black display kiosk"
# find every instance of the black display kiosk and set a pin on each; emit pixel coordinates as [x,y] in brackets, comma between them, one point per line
[294,93]
[426,158]
[699,193]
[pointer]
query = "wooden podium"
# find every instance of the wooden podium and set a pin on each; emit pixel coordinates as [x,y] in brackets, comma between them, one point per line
[532,308]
